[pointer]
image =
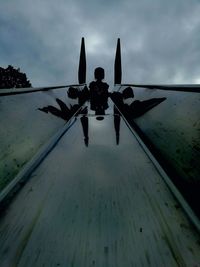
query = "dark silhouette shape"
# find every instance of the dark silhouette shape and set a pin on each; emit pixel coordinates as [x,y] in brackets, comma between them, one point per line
[82,64]
[73,93]
[136,108]
[118,65]
[82,95]
[63,106]
[117,98]
[99,74]
[64,112]
[127,93]
[55,111]
[117,119]
[13,78]
[99,93]
[84,122]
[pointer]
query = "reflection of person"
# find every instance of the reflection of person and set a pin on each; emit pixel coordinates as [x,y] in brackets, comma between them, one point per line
[81,96]
[64,112]
[99,92]
[117,119]
[84,122]
[134,108]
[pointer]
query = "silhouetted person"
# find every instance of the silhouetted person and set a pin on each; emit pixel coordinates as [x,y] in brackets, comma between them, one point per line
[99,93]
[98,89]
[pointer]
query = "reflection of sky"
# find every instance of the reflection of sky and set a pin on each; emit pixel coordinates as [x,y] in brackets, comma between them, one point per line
[96,124]
[180,111]
[160,39]
[25,129]
[174,128]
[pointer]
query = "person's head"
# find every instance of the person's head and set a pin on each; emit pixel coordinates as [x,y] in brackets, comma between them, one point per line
[73,92]
[128,93]
[99,73]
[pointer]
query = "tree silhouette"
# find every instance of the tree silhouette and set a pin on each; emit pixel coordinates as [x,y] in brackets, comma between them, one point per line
[13,78]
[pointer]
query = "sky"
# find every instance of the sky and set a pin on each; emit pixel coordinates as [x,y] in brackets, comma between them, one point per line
[160,40]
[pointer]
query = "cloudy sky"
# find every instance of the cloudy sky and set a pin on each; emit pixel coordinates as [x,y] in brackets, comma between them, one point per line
[160,39]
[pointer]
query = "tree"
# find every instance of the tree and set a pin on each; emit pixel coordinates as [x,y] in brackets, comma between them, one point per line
[13,78]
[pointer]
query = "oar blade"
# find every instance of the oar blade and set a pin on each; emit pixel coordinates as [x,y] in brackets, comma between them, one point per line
[82,64]
[118,65]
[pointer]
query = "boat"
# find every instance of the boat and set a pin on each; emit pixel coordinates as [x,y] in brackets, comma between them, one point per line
[107,185]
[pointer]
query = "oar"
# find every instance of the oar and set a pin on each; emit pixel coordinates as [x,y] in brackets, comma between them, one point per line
[82,64]
[118,65]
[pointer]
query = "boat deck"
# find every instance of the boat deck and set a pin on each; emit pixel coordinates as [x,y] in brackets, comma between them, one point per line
[98,205]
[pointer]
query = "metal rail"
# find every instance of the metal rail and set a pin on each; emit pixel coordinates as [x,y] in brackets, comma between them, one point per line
[189,212]
[194,88]
[16,91]
[32,164]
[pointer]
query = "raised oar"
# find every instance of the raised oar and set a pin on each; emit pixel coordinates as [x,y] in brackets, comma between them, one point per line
[118,65]
[82,64]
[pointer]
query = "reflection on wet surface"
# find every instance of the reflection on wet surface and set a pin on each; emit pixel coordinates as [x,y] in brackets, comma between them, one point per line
[117,126]
[84,122]
[96,102]
[171,131]
[93,202]
[133,108]
[66,112]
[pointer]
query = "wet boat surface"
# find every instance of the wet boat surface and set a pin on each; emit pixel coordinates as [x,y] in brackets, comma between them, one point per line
[95,203]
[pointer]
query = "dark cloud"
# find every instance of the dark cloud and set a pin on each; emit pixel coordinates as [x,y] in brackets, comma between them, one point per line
[160,40]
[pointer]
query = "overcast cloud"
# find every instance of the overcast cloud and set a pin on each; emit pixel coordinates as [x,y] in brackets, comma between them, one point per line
[160,39]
